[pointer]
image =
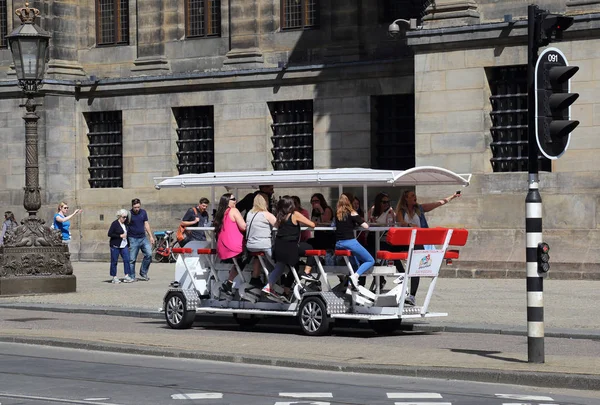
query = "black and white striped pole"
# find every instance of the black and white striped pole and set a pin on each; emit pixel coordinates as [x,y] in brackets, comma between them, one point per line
[533,207]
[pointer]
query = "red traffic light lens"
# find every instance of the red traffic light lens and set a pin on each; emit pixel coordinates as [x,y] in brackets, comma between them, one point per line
[544,247]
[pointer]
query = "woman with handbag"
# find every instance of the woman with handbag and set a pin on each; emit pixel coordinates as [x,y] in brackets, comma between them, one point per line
[259,232]
[229,225]
[119,246]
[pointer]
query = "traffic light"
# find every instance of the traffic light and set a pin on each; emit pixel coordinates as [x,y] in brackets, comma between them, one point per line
[543,257]
[550,27]
[553,101]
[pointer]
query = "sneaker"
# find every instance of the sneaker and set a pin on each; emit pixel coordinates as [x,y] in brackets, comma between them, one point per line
[227,288]
[410,300]
[309,277]
[128,279]
[143,278]
[353,280]
[256,283]
[115,280]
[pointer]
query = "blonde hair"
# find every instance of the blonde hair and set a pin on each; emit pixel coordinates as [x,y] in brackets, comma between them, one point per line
[402,206]
[260,203]
[344,207]
[122,212]
[61,205]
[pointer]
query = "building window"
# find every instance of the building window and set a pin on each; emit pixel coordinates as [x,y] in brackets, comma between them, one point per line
[299,14]
[195,139]
[393,132]
[508,86]
[112,22]
[390,10]
[3,27]
[106,149]
[202,18]
[292,134]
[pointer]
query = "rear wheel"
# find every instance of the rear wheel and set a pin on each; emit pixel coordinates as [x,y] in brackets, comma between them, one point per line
[159,251]
[176,312]
[246,321]
[313,317]
[386,326]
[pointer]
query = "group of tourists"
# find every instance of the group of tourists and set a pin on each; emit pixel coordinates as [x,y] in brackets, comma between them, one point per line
[236,225]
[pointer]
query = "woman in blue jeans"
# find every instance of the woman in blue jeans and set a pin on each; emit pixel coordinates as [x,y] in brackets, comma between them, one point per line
[346,219]
[119,247]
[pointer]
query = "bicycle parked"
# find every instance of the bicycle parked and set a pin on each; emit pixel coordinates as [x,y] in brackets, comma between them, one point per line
[162,252]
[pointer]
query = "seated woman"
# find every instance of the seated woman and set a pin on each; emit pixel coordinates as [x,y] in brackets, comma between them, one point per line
[229,224]
[259,230]
[346,219]
[286,248]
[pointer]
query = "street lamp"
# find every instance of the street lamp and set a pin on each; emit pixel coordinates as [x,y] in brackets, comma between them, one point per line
[33,258]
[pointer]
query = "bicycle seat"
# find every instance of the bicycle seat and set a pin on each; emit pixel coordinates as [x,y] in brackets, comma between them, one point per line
[169,232]
[159,234]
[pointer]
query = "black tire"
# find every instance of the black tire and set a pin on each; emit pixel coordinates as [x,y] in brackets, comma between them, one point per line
[246,321]
[313,317]
[176,313]
[386,326]
[157,257]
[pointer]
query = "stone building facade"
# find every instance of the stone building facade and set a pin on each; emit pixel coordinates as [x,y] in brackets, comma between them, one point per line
[147,88]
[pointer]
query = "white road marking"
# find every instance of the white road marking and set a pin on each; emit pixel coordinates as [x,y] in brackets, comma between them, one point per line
[413,395]
[63,400]
[524,397]
[198,395]
[94,399]
[422,403]
[524,403]
[306,394]
[302,402]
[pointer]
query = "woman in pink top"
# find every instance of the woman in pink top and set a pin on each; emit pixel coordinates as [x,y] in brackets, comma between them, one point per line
[229,225]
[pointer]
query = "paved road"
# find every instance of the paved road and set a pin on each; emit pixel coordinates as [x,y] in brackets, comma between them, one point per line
[33,375]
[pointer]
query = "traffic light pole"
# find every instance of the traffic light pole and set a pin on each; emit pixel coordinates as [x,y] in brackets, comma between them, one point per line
[533,207]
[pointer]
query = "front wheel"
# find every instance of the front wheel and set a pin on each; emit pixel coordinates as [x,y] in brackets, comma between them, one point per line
[313,317]
[176,312]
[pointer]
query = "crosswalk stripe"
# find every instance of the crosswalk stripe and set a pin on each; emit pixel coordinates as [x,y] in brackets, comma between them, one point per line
[198,395]
[306,394]
[422,403]
[524,397]
[413,395]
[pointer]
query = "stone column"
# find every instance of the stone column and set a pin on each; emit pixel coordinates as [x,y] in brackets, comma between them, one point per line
[150,38]
[244,51]
[451,13]
[62,21]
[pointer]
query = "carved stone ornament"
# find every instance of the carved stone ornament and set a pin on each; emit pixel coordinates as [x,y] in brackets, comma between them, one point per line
[33,249]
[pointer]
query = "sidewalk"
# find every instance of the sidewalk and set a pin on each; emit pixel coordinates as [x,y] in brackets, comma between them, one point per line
[572,311]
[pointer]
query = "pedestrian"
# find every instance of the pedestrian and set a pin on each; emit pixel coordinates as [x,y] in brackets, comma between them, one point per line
[196,217]
[62,221]
[118,247]
[138,227]
[246,203]
[9,224]
[410,213]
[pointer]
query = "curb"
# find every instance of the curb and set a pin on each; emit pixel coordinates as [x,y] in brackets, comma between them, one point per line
[415,327]
[530,378]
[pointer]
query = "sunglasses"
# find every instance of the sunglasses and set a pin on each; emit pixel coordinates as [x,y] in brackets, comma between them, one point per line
[65,208]
[232,199]
[124,216]
[385,201]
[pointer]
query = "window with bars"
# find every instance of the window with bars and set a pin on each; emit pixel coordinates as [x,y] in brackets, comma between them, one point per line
[508,86]
[202,18]
[3,26]
[292,134]
[112,22]
[195,139]
[390,10]
[298,14]
[105,147]
[393,132]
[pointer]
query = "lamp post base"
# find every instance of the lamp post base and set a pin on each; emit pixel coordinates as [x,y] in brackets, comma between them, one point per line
[34,260]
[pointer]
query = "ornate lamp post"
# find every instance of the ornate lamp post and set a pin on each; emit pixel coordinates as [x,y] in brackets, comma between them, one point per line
[33,258]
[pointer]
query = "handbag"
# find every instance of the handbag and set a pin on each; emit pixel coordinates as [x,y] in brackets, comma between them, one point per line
[181,231]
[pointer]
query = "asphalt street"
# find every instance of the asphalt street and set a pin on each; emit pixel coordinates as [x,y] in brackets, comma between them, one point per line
[33,375]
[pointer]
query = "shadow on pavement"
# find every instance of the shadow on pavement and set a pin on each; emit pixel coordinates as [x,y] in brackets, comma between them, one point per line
[488,354]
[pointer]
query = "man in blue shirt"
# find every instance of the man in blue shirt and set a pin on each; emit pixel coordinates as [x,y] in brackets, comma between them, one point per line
[137,229]
[195,217]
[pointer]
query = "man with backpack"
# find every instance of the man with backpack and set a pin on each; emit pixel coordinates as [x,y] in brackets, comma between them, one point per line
[195,217]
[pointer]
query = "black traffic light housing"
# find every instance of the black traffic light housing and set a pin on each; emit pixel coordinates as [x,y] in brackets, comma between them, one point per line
[550,27]
[553,99]
[543,257]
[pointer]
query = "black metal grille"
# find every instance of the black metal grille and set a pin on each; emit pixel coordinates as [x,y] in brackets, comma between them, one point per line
[203,18]
[390,10]
[196,139]
[508,85]
[3,27]
[112,22]
[105,148]
[292,134]
[299,14]
[393,132]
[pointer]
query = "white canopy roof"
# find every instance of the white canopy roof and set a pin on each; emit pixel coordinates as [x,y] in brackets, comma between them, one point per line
[424,175]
